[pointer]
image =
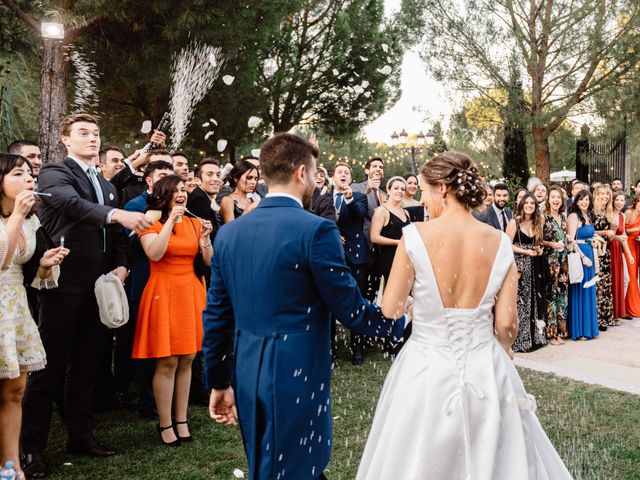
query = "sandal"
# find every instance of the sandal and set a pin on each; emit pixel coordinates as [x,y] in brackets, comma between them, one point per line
[188,438]
[175,443]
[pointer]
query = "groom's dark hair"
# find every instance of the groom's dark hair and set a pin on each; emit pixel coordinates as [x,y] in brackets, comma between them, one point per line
[282,154]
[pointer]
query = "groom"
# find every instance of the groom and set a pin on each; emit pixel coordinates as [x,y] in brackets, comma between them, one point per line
[277,275]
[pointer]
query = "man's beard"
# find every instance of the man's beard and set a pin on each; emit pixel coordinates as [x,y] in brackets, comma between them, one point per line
[501,203]
[307,196]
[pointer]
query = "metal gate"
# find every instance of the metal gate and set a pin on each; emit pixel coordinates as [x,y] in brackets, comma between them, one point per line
[602,161]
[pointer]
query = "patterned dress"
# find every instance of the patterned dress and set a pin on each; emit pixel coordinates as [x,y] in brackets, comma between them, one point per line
[558,283]
[531,297]
[604,295]
[21,349]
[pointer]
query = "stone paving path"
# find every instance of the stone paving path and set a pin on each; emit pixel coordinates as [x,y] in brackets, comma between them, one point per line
[611,360]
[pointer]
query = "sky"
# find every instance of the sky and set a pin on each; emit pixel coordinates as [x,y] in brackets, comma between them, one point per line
[419,91]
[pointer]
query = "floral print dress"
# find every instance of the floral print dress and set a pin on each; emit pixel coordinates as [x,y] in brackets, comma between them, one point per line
[21,349]
[558,280]
[604,294]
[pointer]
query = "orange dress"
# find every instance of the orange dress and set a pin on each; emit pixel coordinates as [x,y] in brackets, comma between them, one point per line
[170,314]
[632,299]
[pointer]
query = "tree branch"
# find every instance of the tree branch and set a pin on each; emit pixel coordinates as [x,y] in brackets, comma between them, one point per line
[29,20]
[73,34]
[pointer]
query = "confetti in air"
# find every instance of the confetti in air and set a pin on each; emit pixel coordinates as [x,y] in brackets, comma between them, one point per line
[222,144]
[208,134]
[254,122]
[386,70]
[146,126]
[385,47]
[228,79]
[193,76]
[86,91]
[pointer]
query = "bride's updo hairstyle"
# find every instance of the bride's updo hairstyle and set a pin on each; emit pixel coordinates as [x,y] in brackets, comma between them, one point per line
[459,174]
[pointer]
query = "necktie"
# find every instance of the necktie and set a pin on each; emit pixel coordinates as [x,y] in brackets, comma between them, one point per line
[93,178]
[338,202]
[504,221]
[376,195]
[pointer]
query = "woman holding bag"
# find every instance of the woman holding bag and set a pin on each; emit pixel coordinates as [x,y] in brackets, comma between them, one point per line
[583,313]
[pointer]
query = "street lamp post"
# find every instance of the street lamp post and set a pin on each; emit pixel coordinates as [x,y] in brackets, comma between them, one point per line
[53,91]
[401,141]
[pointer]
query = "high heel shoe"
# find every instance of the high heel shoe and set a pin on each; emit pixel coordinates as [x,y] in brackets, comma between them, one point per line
[188,438]
[175,443]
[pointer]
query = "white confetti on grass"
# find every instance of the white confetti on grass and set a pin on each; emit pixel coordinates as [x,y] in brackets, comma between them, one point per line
[385,48]
[237,473]
[193,75]
[228,79]
[386,70]
[86,93]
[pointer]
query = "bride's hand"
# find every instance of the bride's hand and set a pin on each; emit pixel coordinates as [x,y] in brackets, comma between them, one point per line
[511,353]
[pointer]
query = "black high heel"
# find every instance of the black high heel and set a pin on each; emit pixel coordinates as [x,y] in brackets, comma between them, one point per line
[188,438]
[175,443]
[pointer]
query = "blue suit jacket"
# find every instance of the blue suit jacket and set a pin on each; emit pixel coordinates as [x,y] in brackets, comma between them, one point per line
[277,273]
[138,261]
[351,226]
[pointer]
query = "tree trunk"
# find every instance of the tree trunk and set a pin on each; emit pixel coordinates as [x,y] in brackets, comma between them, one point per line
[53,100]
[542,154]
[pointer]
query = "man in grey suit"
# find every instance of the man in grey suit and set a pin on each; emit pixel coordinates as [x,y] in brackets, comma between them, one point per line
[498,214]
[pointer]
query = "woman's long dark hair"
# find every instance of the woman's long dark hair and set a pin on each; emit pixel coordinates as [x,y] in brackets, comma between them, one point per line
[576,209]
[163,191]
[9,161]
[238,171]
[536,218]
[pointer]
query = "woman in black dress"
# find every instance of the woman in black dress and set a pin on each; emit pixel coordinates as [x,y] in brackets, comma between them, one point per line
[526,232]
[387,223]
[243,180]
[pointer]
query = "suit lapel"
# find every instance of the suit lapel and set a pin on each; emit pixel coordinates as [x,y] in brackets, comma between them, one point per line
[79,173]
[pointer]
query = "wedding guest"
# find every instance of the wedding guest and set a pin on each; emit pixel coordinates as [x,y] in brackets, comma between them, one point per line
[619,251]
[617,185]
[520,195]
[526,233]
[488,199]
[190,184]
[351,211]
[169,325]
[83,208]
[31,151]
[243,179]
[499,215]
[21,350]
[110,161]
[583,310]
[134,184]
[180,165]
[576,186]
[123,365]
[386,226]
[556,253]
[261,188]
[602,210]
[322,200]
[411,191]
[201,200]
[540,194]
[632,227]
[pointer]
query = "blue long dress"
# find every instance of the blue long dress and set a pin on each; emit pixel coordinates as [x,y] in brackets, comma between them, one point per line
[583,311]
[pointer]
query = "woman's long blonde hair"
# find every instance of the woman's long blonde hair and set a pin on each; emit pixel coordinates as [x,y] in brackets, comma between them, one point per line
[598,207]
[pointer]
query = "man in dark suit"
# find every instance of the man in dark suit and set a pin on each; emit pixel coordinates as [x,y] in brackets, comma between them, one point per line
[351,210]
[498,214]
[83,209]
[277,275]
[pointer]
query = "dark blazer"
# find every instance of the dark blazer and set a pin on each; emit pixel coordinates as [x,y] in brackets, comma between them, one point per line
[138,260]
[322,204]
[72,210]
[351,225]
[371,205]
[128,185]
[277,275]
[490,218]
[199,204]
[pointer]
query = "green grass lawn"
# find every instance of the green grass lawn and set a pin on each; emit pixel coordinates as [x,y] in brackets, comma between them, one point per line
[596,431]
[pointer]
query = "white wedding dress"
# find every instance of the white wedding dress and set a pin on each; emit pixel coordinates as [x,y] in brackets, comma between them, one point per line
[453,406]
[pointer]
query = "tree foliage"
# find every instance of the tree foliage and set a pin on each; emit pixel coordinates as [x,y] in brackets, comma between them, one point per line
[566,50]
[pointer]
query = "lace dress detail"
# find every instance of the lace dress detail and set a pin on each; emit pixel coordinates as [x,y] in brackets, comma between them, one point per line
[453,406]
[21,349]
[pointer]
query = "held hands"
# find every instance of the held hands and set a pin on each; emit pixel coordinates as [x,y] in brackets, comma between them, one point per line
[222,406]
[23,203]
[53,257]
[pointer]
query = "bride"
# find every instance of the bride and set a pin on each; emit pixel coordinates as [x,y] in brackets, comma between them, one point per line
[453,405]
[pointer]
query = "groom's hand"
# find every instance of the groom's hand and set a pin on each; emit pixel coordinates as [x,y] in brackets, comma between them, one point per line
[222,406]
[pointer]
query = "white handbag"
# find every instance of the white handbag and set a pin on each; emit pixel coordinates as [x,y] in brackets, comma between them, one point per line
[576,273]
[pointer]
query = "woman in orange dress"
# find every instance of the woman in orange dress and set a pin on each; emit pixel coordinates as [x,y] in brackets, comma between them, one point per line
[632,225]
[169,326]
